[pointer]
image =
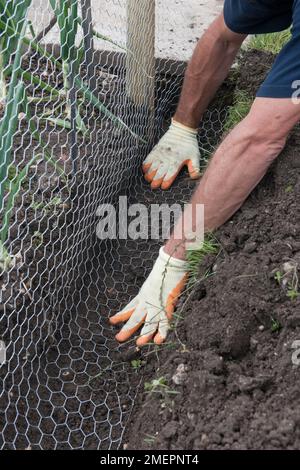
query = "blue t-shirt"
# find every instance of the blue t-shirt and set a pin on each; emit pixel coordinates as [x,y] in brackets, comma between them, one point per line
[269,16]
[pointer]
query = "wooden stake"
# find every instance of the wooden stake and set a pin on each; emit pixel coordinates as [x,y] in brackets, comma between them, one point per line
[140,63]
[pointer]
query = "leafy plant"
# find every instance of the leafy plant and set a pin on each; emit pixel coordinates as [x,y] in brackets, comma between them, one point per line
[13,15]
[275,326]
[293,293]
[289,189]
[159,386]
[137,364]
[278,277]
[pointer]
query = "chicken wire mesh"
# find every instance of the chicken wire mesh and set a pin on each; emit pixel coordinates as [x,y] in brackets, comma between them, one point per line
[73,134]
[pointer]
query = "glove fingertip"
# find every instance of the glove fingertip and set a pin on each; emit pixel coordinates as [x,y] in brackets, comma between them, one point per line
[156,183]
[143,340]
[159,339]
[167,184]
[121,317]
[194,171]
[146,167]
[195,175]
[150,175]
[122,336]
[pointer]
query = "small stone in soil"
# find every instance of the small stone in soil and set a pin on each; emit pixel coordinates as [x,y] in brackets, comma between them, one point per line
[249,384]
[180,375]
[170,430]
[250,247]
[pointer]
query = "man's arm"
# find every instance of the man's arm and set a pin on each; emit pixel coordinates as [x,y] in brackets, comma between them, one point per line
[239,164]
[209,66]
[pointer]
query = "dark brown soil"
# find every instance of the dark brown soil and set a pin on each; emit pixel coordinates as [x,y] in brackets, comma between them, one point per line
[230,360]
[255,66]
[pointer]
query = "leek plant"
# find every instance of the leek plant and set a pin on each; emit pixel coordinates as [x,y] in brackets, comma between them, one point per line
[87,96]
[66,12]
[16,102]
[13,38]
[13,13]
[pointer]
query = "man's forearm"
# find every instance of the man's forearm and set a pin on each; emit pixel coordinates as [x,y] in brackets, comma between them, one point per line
[238,165]
[208,68]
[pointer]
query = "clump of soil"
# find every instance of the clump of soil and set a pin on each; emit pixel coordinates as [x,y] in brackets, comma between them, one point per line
[230,360]
[255,66]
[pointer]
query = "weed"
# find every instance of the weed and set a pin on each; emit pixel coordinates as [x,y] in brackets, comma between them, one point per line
[159,386]
[137,364]
[289,189]
[275,326]
[278,277]
[292,292]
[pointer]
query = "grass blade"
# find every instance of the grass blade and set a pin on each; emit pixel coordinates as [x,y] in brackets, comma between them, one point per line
[7,134]
[15,75]
[13,191]
[65,124]
[91,98]
[36,135]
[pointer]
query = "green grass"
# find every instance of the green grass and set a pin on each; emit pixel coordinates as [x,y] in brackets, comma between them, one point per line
[272,42]
[242,103]
[195,257]
[149,439]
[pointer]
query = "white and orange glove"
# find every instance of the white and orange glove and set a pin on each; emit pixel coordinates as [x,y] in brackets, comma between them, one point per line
[154,305]
[176,149]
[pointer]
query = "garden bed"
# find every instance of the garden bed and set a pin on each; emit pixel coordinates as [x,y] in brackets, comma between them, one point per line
[225,379]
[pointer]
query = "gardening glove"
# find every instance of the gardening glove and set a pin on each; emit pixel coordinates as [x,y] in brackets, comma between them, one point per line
[155,303]
[177,148]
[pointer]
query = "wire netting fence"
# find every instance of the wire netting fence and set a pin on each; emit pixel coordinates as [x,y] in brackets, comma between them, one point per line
[85,94]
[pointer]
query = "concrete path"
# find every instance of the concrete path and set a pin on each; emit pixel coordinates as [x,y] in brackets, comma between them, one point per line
[178,23]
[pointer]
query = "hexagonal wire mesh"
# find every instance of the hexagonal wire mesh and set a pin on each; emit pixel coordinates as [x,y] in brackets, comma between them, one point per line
[71,140]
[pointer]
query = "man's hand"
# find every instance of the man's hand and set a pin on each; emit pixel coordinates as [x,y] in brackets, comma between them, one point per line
[177,148]
[155,303]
